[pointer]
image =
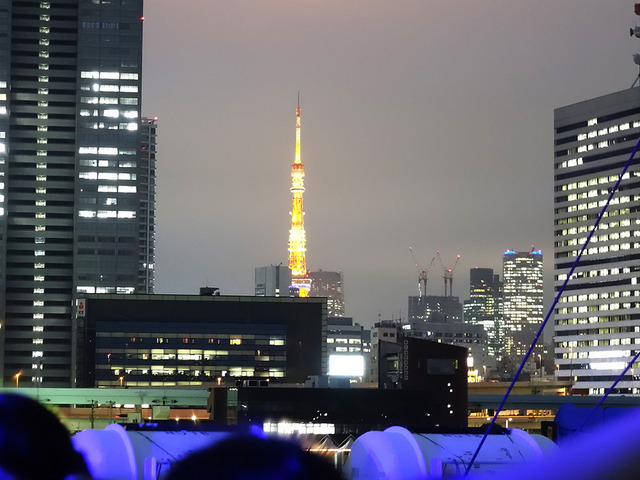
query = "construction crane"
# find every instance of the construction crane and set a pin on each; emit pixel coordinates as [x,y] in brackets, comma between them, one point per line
[423,274]
[447,275]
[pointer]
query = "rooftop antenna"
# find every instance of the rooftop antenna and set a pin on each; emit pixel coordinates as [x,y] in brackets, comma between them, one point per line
[635,31]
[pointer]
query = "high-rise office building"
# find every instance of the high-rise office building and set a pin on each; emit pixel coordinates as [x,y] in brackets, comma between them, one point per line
[78,174]
[484,307]
[523,302]
[597,320]
[330,285]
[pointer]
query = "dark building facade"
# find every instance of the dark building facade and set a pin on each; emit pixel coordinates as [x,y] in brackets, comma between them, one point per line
[347,410]
[423,384]
[77,191]
[330,285]
[434,308]
[166,340]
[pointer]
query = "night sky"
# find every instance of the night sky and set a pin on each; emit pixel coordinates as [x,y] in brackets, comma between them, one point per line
[424,123]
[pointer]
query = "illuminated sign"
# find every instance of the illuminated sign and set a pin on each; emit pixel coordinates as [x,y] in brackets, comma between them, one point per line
[346,365]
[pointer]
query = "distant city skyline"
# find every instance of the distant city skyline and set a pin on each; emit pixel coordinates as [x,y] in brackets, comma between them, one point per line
[426,125]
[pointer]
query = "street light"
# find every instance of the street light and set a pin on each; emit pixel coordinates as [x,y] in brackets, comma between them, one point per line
[18,379]
[121,380]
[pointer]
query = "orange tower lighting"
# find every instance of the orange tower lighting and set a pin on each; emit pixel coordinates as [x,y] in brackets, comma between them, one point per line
[297,237]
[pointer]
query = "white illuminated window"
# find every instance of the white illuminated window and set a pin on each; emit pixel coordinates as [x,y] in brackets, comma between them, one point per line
[126,214]
[126,189]
[107,214]
[86,214]
[107,151]
[112,113]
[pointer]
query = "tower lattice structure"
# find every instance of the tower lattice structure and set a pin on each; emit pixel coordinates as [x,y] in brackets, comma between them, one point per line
[297,236]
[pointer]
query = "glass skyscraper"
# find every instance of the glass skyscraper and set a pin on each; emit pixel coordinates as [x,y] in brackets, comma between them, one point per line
[522,302]
[77,168]
[484,307]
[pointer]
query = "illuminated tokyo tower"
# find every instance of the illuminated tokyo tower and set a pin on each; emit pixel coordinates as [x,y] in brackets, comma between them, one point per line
[297,238]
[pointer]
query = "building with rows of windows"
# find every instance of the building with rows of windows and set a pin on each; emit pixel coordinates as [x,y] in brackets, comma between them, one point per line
[77,168]
[522,304]
[597,320]
[190,340]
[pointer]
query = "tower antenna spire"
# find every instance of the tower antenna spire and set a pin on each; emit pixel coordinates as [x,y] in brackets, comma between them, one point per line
[300,282]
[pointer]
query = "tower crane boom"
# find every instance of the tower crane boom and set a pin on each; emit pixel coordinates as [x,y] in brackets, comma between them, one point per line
[423,274]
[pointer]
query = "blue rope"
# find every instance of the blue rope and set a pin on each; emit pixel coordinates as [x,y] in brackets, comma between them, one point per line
[613,385]
[553,305]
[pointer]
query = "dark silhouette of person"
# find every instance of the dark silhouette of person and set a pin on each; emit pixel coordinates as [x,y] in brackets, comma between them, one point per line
[34,445]
[248,457]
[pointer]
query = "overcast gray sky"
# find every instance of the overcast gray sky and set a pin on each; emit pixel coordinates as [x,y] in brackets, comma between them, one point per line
[425,123]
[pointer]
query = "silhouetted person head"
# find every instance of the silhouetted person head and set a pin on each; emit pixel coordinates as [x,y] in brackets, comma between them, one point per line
[34,445]
[253,458]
